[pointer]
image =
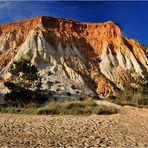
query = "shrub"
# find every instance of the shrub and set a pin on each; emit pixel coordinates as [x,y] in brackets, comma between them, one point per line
[48,111]
[81,99]
[68,94]
[74,106]
[57,82]
[134,98]
[73,87]
[135,94]
[24,85]
[24,98]
[107,110]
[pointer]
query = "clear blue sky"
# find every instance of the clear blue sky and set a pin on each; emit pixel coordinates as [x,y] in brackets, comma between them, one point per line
[131,16]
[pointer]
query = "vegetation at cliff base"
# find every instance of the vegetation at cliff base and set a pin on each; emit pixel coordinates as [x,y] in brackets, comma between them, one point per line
[135,91]
[24,85]
[64,108]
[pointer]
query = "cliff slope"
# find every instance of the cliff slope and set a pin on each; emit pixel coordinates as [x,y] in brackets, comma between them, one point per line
[91,57]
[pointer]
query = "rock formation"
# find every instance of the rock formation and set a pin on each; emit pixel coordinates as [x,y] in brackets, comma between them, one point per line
[90,56]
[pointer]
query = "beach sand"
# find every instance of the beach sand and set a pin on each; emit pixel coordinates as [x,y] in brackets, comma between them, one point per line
[129,128]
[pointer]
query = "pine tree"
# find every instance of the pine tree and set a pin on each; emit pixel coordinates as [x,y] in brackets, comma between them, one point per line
[24,84]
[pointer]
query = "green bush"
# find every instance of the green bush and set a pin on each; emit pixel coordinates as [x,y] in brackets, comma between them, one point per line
[135,92]
[24,98]
[24,85]
[134,98]
[143,101]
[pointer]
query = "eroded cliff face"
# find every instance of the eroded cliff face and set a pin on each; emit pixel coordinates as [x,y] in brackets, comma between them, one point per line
[93,57]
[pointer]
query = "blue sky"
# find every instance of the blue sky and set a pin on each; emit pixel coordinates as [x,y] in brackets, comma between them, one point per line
[132,17]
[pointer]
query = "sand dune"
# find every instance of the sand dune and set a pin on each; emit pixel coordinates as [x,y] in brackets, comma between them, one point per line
[129,128]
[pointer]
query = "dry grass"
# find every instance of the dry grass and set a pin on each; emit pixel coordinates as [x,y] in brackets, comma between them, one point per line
[65,108]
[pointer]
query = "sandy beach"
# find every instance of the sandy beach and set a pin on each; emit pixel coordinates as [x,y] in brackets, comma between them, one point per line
[129,128]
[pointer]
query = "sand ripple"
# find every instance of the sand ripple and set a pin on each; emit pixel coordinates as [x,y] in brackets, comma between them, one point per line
[129,128]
